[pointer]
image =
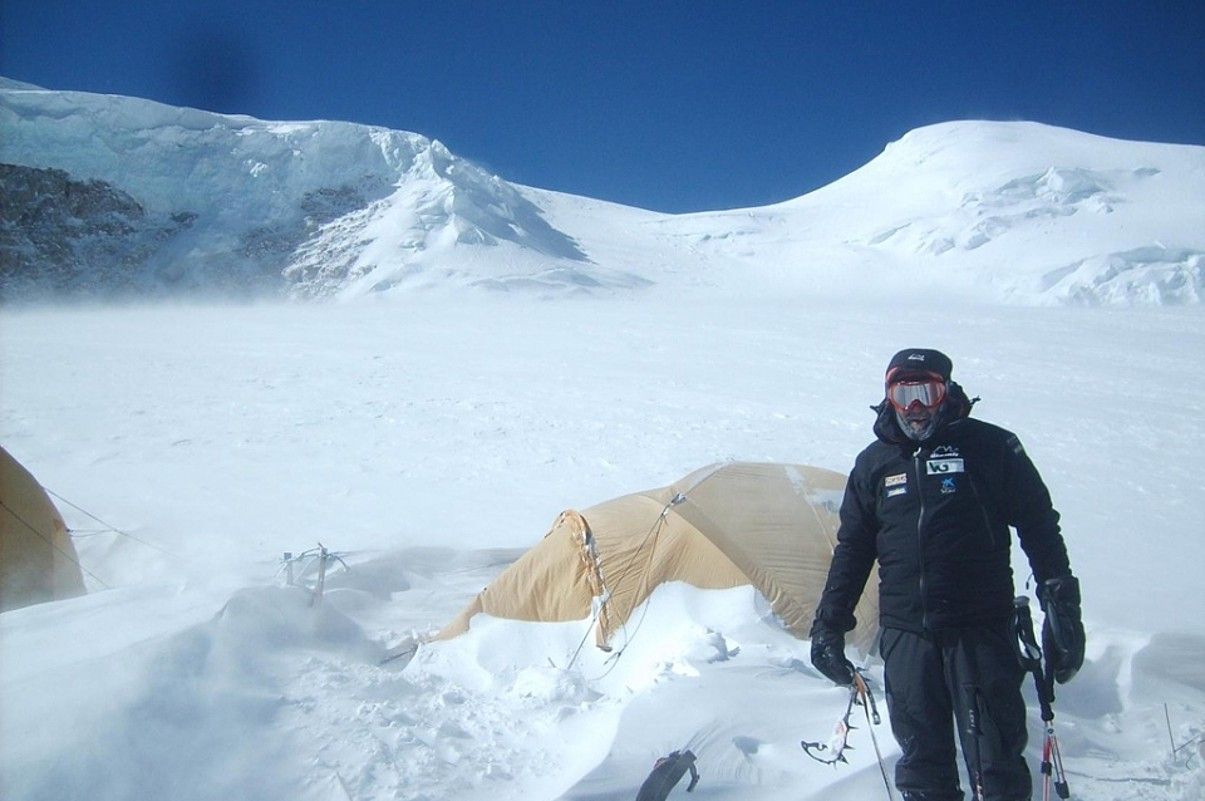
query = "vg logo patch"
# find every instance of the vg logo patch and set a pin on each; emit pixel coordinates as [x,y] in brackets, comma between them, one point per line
[945,466]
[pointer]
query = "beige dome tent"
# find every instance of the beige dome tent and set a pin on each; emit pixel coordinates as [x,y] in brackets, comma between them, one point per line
[37,559]
[770,525]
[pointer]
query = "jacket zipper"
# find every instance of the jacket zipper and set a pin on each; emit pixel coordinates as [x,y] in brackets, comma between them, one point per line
[920,539]
[991,536]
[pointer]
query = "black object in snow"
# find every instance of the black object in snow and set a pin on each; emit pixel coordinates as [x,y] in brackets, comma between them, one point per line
[667,772]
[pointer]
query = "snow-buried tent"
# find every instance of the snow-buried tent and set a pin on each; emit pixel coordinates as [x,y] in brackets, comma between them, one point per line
[37,560]
[770,525]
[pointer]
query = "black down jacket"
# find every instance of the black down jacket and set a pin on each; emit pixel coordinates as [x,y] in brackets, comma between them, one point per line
[936,516]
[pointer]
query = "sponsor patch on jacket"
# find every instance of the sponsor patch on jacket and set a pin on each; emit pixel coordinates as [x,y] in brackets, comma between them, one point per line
[896,480]
[941,467]
[891,493]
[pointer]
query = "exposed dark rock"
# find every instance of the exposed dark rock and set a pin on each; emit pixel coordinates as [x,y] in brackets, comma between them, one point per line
[65,236]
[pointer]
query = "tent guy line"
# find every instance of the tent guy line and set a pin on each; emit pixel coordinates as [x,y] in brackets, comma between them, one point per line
[61,551]
[107,527]
[38,561]
[653,534]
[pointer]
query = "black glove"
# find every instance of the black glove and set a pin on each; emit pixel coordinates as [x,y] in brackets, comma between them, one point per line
[1063,631]
[828,654]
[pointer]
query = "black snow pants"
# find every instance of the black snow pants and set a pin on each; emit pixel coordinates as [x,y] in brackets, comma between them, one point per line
[958,676]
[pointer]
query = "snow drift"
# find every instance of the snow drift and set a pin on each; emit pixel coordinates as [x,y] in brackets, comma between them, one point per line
[431,443]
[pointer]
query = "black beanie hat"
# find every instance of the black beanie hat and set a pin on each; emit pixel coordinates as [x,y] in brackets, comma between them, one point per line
[921,360]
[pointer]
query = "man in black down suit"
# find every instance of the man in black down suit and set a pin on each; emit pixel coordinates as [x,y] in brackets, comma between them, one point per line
[932,499]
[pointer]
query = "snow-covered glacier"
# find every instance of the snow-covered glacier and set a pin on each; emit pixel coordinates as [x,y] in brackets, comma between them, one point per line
[210,201]
[106,195]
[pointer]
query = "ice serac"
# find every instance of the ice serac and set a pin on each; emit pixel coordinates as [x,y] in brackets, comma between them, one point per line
[107,194]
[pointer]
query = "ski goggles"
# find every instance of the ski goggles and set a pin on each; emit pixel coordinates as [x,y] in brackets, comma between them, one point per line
[927,390]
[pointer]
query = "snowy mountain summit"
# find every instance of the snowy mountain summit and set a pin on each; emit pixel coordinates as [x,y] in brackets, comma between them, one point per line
[107,195]
[213,201]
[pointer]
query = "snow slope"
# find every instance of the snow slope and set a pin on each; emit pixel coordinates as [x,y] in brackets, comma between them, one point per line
[1015,213]
[1000,212]
[315,207]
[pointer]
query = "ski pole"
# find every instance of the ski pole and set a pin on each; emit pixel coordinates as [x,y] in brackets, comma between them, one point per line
[1031,661]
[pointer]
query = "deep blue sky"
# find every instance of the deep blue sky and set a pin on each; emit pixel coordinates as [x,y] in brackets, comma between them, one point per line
[674,106]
